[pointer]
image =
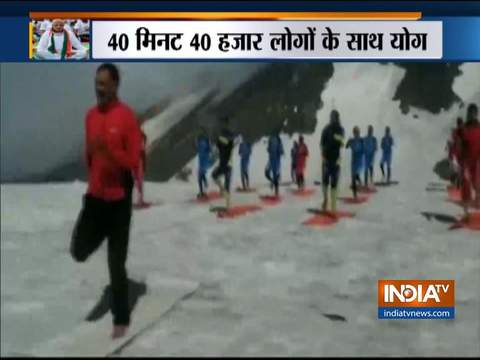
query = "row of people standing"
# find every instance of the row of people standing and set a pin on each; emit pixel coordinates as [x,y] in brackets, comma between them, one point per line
[363,157]
[224,146]
[364,150]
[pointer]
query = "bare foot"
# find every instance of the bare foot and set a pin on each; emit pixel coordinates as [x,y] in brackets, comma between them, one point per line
[119,331]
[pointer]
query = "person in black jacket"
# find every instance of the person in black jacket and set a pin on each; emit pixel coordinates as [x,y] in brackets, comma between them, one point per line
[225,144]
[332,140]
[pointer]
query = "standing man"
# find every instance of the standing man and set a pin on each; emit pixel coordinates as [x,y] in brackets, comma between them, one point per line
[331,143]
[112,155]
[387,145]
[370,147]
[301,163]
[356,145]
[275,153]
[245,150]
[225,143]
[204,161]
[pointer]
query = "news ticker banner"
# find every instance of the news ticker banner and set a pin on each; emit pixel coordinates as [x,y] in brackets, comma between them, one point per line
[264,36]
[266,40]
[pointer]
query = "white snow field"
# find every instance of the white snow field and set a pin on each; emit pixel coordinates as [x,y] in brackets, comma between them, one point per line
[264,280]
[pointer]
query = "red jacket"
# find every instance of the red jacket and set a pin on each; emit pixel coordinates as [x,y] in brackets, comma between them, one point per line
[302,154]
[471,143]
[118,129]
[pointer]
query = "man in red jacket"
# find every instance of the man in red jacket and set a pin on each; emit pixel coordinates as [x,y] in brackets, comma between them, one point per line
[301,162]
[112,155]
[471,157]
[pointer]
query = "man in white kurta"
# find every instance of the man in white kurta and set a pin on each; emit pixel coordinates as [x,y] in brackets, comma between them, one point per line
[60,44]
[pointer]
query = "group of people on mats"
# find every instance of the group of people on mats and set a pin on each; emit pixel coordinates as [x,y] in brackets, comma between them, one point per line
[332,140]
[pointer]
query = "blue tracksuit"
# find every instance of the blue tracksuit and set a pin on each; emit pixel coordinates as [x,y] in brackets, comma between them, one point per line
[204,152]
[275,153]
[387,145]
[357,147]
[370,148]
[204,160]
[244,150]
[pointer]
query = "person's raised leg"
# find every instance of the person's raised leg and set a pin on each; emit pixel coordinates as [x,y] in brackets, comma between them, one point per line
[89,230]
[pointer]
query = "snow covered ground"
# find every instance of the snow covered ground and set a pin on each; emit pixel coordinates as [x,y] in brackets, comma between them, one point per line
[265,279]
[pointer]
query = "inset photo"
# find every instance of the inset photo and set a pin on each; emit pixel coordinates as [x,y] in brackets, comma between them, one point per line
[59,39]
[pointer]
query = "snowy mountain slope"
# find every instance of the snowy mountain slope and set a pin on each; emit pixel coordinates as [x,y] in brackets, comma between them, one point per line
[266,280]
[158,125]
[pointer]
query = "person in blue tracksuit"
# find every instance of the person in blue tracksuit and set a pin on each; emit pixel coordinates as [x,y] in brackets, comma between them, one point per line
[387,145]
[357,147]
[204,151]
[245,150]
[275,153]
[370,147]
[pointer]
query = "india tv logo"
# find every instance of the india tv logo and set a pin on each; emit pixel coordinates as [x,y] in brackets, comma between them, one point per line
[416,299]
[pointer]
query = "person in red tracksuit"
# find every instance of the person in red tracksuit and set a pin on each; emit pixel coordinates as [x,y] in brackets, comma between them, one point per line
[112,154]
[301,162]
[471,157]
